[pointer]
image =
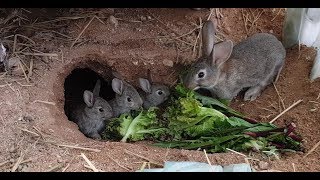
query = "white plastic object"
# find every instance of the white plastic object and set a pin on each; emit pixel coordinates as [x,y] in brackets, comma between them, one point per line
[186,166]
[302,25]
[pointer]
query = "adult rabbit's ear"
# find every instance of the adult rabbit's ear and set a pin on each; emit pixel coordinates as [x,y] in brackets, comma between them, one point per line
[221,53]
[208,39]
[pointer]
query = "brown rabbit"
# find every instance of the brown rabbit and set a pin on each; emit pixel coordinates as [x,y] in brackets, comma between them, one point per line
[225,70]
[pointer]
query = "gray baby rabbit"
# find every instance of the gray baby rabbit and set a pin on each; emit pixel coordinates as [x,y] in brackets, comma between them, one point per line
[153,94]
[225,70]
[92,114]
[127,98]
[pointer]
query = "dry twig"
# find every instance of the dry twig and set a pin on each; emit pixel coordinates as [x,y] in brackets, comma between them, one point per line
[312,149]
[77,147]
[283,106]
[276,15]
[286,110]
[31,132]
[45,102]
[236,152]
[82,32]
[89,163]
[142,157]
[118,163]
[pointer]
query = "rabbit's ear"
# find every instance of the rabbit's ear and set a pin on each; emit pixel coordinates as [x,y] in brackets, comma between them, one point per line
[117,75]
[117,86]
[149,75]
[222,52]
[145,85]
[96,90]
[208,38]
[88,98]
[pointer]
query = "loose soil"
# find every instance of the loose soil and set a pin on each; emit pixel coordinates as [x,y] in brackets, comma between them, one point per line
[34,127]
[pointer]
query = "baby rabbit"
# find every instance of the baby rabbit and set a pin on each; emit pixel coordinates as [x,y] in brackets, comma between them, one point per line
[225,70]
[127,98]
[153,94]
[92,114]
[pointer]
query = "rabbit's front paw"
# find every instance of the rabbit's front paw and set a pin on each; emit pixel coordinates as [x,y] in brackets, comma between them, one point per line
[252,93]
[96,136]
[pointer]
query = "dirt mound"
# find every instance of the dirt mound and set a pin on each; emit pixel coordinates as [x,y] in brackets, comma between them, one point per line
[36,135]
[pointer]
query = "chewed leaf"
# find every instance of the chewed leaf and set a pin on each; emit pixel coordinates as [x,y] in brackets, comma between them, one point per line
[183,91]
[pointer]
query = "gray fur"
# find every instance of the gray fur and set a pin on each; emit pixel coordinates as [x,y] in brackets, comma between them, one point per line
[151,93]
[253,63]
[120,103]
[88,115]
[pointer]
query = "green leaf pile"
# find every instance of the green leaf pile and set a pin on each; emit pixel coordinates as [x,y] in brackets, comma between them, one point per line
[195,121]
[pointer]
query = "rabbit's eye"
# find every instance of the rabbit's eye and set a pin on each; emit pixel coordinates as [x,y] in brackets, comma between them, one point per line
[128,99]
[200,74]
[100,109]
[160,92]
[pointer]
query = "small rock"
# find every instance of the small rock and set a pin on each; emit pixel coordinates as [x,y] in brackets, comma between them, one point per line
[161,33]
[138,29]
[143,18]
[179,23]
[59,159]
[263,165]
[11,160]
[135,63]
[25,169]
[12,149]
[108,10]
[271,31]
[113,21]
[228,30]
[167,62]
[149,17]
[71,10]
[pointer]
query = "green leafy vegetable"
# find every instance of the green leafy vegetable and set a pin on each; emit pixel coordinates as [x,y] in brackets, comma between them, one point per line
[195,121]
[134,128]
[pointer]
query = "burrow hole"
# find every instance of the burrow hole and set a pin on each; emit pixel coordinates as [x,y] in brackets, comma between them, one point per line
[79,80]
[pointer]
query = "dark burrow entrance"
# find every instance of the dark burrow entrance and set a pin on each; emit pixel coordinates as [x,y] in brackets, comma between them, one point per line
[79,80]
